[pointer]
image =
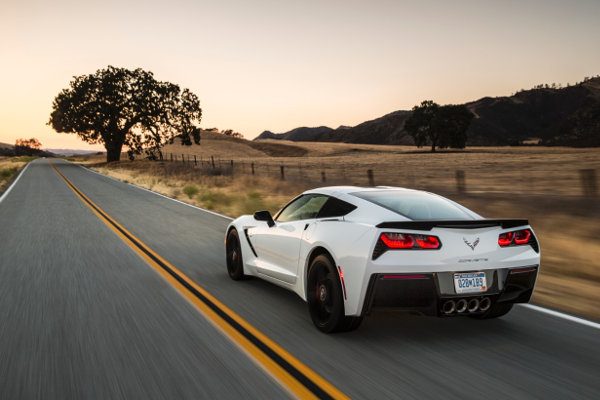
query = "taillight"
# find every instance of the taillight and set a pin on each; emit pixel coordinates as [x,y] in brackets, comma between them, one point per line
[428,242]
[398,240]
[505,239]
[515,238]
[522,237]
[409,241]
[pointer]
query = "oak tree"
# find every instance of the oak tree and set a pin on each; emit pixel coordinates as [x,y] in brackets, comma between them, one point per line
[27,147]
[421,125]
[453,121]
[439,126]
[32,143]
[119,107]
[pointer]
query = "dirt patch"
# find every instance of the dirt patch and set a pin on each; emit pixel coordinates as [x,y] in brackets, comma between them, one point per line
[279,150]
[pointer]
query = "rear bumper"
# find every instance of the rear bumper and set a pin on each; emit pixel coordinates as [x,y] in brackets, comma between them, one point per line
[426,293]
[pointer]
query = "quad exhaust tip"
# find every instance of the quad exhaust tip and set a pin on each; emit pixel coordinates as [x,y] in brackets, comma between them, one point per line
[473,305]
[485,304]
[462,306]
[449,307]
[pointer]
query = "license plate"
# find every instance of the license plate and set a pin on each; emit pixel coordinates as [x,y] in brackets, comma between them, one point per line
[470,282]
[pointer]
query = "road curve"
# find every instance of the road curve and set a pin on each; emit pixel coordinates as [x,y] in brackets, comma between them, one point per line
[84,316]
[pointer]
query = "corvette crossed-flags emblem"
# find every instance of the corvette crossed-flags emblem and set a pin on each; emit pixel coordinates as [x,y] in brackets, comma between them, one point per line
[471,245]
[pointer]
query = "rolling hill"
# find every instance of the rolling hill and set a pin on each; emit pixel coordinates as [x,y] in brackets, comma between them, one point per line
[567,116]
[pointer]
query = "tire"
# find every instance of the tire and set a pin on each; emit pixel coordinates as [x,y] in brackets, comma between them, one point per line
[496,311]
[325,299]
[233,253]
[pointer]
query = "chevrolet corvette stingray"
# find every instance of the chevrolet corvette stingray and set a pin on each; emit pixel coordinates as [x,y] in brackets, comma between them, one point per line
[348,250]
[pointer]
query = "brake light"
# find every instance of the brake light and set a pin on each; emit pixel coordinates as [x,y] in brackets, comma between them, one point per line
[428,242]
[408,241]
[522,237]
[397,240]
[515,238]
[505,239]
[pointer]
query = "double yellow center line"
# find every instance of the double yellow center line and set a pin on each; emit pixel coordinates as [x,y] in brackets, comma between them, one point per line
[293,375]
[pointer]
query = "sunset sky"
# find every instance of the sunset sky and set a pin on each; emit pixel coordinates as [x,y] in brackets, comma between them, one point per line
[277,65]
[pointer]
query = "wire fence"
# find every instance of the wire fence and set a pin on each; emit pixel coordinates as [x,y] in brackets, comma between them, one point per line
[559,181]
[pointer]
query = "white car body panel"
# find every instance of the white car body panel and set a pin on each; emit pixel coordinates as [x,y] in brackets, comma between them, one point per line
[284,250]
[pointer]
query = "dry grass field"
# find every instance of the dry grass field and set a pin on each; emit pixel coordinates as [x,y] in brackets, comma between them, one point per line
[9,167]
[518,170]
[219,146]
[541,184]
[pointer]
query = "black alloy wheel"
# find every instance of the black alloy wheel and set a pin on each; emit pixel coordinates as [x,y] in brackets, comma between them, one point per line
[233,250]
[325,298]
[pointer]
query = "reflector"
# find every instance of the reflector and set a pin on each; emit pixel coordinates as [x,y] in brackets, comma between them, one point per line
[405,277]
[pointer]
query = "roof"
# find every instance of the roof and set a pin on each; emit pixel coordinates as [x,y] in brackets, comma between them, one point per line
[331,190]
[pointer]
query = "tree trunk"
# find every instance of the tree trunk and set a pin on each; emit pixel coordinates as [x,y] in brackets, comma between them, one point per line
[113,151]
[433,147]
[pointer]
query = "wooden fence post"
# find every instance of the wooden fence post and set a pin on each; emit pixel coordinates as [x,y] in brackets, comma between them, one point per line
[195,161]
[212,161]
[281,168]
[252,167]
[589,183]
[171,157]
[183,158]
[461,186]
[323,179]
[371,178]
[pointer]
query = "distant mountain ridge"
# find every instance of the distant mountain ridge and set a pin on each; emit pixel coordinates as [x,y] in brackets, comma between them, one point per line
[567,116]
[299,134]
[73,152]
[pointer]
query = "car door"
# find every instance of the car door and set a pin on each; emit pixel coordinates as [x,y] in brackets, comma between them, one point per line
[278,247]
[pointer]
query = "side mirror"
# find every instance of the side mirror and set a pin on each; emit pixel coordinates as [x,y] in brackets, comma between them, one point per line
[264,216]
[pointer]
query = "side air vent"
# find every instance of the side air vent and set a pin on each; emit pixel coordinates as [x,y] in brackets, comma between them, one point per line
[250,243]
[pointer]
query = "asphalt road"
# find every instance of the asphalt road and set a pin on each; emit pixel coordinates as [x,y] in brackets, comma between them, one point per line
[84,316]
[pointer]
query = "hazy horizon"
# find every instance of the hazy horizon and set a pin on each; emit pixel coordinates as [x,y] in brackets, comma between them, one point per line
[270,65]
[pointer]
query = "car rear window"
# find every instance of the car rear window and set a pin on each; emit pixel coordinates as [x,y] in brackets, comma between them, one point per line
[414,205]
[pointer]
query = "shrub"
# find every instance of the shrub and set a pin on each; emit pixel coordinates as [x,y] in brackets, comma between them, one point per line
[191,190]
[6,173]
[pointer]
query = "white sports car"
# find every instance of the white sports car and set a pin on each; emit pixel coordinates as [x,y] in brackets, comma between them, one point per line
[346,250]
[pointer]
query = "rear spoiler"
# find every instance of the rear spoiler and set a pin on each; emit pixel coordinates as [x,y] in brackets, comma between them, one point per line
[454,224]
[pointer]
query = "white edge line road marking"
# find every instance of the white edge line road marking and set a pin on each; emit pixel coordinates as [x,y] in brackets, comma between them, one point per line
[568,317]
[12,185]
[548,311]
